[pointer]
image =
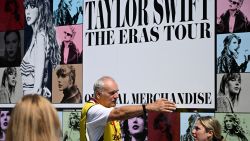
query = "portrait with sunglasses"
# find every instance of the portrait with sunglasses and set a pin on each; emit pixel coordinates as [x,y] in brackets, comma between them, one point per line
[234,2]
[69,49]
[68,34]
[232,19]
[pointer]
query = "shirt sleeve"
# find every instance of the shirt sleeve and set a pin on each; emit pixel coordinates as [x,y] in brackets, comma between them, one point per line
[98,115]
[97,118]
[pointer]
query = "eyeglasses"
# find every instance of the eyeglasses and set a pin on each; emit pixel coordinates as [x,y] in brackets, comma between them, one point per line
[68,34]
[234,2]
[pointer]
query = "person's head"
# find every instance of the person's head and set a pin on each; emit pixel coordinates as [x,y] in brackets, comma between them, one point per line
[66,76]
[68,3]
[162,123]
[69,33]
[4,119]
[37,119]
[207,128]
[31,11]
[136,125]
[231,44]
[231,84]
[37,13]
[232,126]
[235,4]
[74,120]
[12,7]
[191,121]
[9,78]
[106,91]
[231,123]
[65,4]
[12,42]
[135,128]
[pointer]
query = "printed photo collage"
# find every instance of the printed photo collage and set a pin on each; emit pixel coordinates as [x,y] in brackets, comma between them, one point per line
[233,69]
[41,51]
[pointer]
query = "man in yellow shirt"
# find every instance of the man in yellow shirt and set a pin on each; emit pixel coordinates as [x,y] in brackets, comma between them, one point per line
[99,115]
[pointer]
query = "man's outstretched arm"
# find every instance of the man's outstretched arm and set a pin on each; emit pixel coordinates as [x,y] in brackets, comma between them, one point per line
[130,111]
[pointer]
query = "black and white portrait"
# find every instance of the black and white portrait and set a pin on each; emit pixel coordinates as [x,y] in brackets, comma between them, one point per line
[233,92]
[71,126]
[43,52]
[235,126]
[11,49]
[10,88]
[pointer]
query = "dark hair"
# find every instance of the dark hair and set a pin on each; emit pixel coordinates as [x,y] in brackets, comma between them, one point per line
[228,40]
[6,72]
[14,31]
[8,8]
[30,2]
[225,79]
[62,4]
[127,135]
[65,70]
[162,117]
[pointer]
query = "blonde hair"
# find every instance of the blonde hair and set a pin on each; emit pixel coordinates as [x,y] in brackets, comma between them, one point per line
[212,124]
[34,119]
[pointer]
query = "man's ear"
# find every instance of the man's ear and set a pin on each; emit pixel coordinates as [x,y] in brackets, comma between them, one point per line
[98,95]
[210,134]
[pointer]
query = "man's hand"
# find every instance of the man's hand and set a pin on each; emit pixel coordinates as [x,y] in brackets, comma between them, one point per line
[161,105]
